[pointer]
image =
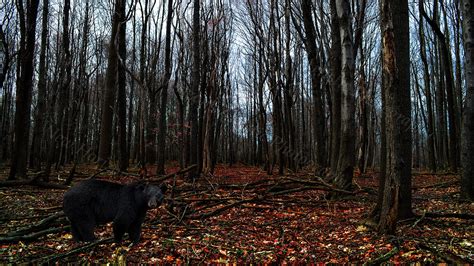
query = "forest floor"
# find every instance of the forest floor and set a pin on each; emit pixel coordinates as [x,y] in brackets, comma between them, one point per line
[241,215]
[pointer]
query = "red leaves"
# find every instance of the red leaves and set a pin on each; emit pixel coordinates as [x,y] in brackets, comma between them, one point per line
[297,228]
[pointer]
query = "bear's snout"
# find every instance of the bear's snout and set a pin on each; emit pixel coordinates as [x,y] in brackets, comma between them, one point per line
[152,203]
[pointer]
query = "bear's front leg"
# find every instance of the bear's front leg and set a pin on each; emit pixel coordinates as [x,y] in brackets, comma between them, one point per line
[120,227]
[135,229]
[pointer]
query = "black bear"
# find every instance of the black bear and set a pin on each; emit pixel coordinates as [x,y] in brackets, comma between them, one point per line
[94,202]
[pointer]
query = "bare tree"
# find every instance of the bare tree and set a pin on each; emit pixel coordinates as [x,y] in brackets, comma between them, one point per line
[396,202]
[24,87]
[345,167]
[194,95]
[160,170]
[38,129]
[121,88]
[467,180]
[110,90]
[315,63]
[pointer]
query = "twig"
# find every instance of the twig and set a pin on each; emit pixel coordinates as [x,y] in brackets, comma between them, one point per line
[385,257]
[419,220]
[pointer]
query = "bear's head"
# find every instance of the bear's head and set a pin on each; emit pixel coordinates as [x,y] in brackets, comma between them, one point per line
[152,195]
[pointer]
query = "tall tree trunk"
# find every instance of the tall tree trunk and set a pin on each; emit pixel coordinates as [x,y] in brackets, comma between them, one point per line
[335,82]
[289,91]
[110,91]
[345,168]
[429,105]
[83,81]
[24,89]
[160,170]
[122,94]
[453,157]
[194,100]
[467,179]
[396,83]
[38,129]
[314,64]
[64,87]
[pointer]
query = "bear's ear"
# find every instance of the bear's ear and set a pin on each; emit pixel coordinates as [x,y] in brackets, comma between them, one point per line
[163,187]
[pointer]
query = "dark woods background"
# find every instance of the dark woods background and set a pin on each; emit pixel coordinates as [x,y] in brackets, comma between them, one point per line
[340,86]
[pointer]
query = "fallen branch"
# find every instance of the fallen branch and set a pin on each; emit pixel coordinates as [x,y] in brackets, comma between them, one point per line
[438,185]
[37,226]
[33,236]
[449,258]
[54,257]
[321,182]
[466,216]
[221,209]
[168,176]
[32,182]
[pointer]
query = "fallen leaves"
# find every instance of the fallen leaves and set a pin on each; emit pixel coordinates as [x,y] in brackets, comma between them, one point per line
[301,227]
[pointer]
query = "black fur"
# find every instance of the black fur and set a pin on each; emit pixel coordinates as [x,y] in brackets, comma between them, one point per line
[95,202]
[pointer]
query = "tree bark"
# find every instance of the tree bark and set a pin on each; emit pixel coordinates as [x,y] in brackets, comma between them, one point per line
[110,92]
[160,170]
[194,95]
[345,168]
[314,64]
[467,179]
[24,90]
[396,83]
[121,86]
[38,129]
[452,109]
[335,82]
[429,104]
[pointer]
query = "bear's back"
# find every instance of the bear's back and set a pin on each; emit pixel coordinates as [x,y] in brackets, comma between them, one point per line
[99,198]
